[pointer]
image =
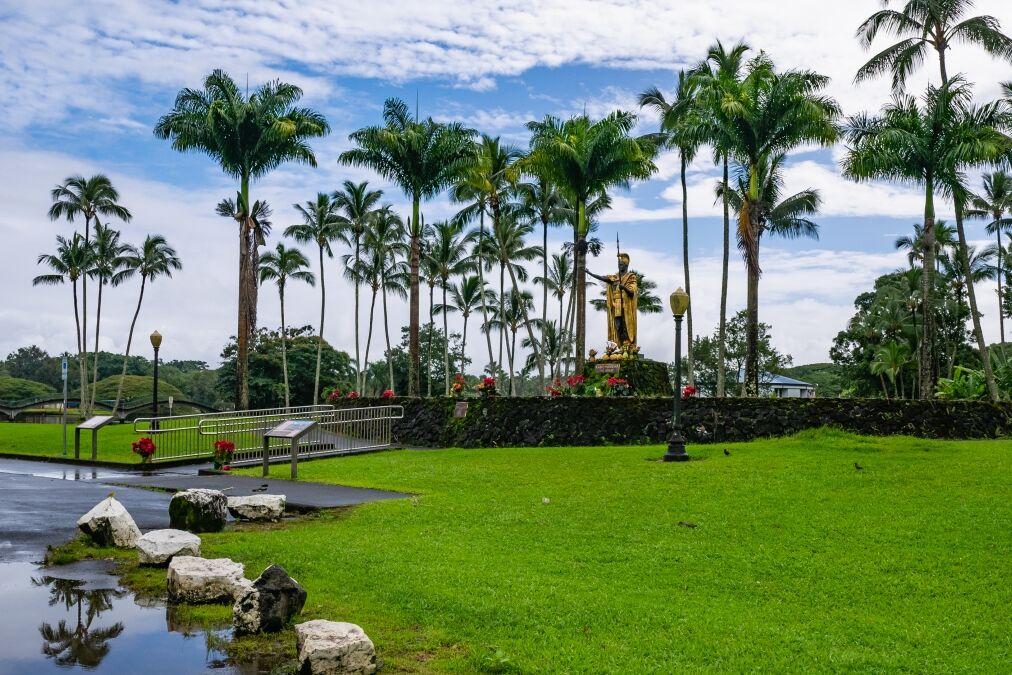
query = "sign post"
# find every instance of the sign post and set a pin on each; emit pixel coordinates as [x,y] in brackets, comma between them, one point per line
[63,371]
[292,430]
[94,424]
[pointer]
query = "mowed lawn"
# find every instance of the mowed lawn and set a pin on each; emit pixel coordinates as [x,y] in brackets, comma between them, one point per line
[782,557]
[47,440]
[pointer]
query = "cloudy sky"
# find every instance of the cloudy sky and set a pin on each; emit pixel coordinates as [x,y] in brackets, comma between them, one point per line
[84,82]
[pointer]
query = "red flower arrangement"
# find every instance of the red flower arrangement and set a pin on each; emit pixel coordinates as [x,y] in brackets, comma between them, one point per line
[387,393]
[575,380]
[619,386]
[555,389]
[688,391]
[459,385]
[223,451]
[352,394]
[145,447]
[334,396]
[486,387]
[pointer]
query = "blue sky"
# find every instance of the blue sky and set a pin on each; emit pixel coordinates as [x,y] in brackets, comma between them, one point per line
[85,82]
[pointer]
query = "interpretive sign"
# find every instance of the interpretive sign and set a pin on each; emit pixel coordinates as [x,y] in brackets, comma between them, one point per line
[92,424]
[291,429]
[96,422]
[460,409]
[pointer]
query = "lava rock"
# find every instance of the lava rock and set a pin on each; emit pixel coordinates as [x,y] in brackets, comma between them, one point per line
[202,580]
[257,507]
[198,510]
[334,648]
[110,524]
[269,604]
[158,547]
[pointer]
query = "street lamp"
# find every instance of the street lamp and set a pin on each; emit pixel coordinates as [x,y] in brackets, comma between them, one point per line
[156,342]
[679,301]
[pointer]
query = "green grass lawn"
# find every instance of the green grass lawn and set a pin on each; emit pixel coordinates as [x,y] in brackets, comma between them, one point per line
[583,559]
[47,440]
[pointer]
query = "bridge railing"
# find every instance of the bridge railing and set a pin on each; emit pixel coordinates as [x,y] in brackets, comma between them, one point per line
[338,431]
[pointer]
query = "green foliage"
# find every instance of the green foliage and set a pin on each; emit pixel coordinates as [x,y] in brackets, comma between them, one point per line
[134,386]
[705,354]
[829,378]
[16,389]
[965,384]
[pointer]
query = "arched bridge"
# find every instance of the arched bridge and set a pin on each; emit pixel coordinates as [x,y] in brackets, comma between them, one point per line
[12,409]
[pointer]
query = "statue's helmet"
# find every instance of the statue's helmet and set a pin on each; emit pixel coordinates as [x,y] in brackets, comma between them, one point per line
[623,257]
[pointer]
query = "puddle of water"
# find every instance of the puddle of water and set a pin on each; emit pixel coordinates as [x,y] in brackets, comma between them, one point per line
[76,617]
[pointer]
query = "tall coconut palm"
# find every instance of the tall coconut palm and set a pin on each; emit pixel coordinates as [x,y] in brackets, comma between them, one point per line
[585,158]
[155,258]
[356,202]
[677,126]
[465,297]
[107,268]
[890,359]
[558,282]
[281,265]
[385,243]
[321,224]
[541,202]
[511,312]
[248,135]
[88,198]
[913,244]
[768,114]
[487,186]
[718,77]
[928,144]
[994,203]
[70,264]
[449,256]
[423,158]
[923,25]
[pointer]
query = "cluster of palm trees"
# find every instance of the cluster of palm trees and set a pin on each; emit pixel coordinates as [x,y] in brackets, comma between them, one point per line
[99,254]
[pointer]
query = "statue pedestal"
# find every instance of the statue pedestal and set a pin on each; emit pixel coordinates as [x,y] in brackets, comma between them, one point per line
[648,378]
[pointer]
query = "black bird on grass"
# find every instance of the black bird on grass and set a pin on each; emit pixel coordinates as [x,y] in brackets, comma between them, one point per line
[858,466]
[727,453]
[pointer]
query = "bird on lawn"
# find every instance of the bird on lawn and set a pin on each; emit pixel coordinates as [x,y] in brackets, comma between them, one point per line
[727,453]
[858,466]
[685,523]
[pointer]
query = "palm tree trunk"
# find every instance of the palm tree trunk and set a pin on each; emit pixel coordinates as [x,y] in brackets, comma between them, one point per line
[358,361]
[368,342]
[926,375]
[77,325]
[580,274]
[463,343]
[685,264]
[414,357]
[1001,314]
[751,383]
[570,322]
[502,308]
[535,345]
[428,348]
[992,387]
[510,354]
[284,347]
[722,325]
[98,323]
[481,281]
[544,302]
[243,330]
[446,346]
[83,360]
[386,328]
[319,338]
[130,339]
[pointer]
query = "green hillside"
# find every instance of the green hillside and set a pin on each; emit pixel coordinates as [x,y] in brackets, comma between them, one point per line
[828,378]
[134,386]
[16,389]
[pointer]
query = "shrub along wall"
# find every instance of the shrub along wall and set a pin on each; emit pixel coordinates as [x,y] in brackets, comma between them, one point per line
[505,422]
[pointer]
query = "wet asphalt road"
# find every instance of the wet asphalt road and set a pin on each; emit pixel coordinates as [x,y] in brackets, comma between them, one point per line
[38,510]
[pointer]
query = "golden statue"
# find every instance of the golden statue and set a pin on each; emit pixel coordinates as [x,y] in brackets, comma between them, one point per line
[622,293]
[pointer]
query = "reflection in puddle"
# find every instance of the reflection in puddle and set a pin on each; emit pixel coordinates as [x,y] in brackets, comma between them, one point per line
[75,618]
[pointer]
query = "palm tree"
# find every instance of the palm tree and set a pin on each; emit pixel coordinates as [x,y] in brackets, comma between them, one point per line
[321,224]
[945,239]
[423,158]
[81,645]
[927,24]
[890,359]
[70,263]
[994,203]
[155,258]
[356,202]
[449,257]
[249,135]
[558,282]
[465,297]
[512,310]
[89,198]
[768,115]
[927,144]
[719,77]
[584,159]
[676,132]
[384,243]
[553,339]
[487,187]
[107,268]
[279,266]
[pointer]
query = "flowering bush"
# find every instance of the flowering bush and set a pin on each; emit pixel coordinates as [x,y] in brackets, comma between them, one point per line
[145,447]
[486,387]
[618,386]
[555,389]
[575,385]
[334,396]
[459,385]
[352,394]
[688,391]
[223,451]
[387,393]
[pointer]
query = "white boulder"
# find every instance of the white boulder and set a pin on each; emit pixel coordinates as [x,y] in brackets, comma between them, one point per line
[203,580]
[110,524]
[159,546]
[334,648]
[257,507]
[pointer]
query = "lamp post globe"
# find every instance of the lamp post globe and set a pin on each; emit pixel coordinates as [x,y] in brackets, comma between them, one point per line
[679,303]
[156,342]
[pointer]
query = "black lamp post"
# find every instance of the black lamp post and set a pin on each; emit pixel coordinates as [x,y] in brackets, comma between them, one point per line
[156,342]
[679,301]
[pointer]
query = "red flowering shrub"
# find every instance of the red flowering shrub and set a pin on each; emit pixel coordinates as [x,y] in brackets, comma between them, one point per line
[459,385]
[486,387]
[387,393]
[334,396]
[223,451]
[352,394]
[618,386]
[555,389]
[144,447]
[688,391]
